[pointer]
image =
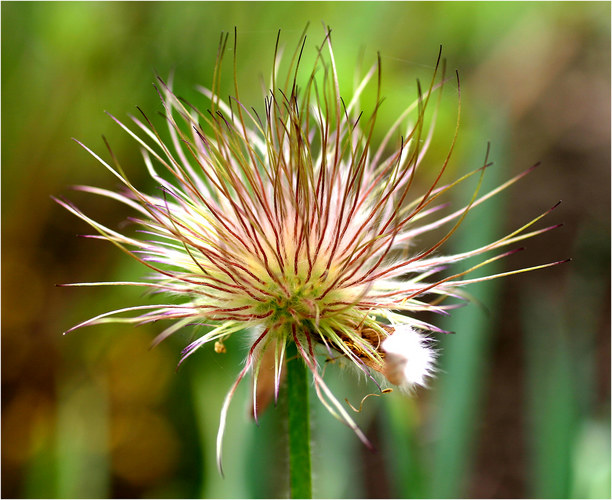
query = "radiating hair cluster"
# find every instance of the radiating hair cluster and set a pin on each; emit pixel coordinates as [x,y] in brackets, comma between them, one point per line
[290,225]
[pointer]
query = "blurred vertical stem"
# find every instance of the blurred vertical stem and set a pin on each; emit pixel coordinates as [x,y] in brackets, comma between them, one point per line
[560,351]
[465,356]
[299,425]
[553,409]
[206,404]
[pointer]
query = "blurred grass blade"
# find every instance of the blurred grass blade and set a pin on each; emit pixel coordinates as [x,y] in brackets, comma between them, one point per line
[265,458]
[464,357]
[209,387]
[591,461]
[551,391]
[569,457]
[407,472]
[335,450]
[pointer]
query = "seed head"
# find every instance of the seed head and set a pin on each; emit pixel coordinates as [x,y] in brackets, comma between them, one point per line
[290,226]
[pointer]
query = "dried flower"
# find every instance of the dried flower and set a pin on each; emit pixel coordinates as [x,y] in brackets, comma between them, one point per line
[291,227]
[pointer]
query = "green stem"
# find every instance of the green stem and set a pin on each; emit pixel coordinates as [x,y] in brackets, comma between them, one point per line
[299,425]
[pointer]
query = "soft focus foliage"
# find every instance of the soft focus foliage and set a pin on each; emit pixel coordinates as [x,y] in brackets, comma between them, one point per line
[521,405]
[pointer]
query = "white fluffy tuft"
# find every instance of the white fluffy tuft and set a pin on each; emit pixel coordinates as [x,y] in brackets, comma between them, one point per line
[409,360]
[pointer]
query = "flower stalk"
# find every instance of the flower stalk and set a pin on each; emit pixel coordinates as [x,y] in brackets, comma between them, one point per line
[300,477]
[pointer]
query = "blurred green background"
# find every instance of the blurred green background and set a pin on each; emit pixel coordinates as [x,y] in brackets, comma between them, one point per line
[521,405]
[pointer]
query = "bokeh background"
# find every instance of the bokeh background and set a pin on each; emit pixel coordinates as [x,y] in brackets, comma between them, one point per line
[521,405]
